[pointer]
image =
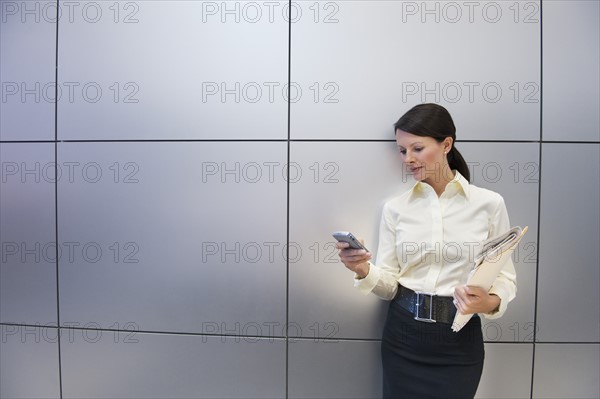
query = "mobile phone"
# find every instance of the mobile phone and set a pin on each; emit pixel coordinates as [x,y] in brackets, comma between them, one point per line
[346,236]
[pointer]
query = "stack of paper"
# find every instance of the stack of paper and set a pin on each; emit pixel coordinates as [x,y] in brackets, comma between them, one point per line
[488,264]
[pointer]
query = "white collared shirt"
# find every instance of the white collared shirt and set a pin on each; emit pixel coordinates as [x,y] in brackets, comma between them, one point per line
[427,243]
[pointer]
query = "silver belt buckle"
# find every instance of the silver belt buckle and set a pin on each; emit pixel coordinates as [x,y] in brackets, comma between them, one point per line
[418,305]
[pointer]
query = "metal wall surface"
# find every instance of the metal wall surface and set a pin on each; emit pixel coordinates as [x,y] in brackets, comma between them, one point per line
[165,224]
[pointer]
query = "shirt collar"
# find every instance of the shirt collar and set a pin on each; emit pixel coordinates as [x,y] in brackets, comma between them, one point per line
[459,180]
[462,183]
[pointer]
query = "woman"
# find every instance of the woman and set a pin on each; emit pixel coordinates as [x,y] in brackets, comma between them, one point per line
[427,241]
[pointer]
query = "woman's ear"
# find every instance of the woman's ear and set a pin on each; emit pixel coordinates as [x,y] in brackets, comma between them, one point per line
[447,144]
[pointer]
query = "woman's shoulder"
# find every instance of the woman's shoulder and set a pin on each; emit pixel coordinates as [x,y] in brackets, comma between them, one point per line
[396,200]
[477,193]
[397,205]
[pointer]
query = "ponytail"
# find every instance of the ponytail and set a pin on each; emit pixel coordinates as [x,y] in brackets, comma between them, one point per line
[456,161]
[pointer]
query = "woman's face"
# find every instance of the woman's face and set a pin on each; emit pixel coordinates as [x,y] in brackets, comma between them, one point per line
[424,157]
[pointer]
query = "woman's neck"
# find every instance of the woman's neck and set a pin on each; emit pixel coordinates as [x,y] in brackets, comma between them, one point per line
[441,180]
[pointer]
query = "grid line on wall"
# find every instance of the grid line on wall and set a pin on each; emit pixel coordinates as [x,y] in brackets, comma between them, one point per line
[537,263]
[269,337]
[60,385]
[287,208]
[285,141]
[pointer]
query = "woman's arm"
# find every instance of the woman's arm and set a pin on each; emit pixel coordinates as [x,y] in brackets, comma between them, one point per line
[491,304]
[380,279]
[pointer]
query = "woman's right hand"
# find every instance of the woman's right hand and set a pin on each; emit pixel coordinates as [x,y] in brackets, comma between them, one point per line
[356,260]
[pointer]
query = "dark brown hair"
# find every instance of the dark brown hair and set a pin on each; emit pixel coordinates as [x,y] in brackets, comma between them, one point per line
[433,120]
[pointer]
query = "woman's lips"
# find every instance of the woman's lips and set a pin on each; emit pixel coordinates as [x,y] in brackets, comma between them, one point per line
[413,170]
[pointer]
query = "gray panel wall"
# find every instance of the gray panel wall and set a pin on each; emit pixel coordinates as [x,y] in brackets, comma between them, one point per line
[27,76]
[169,235]
[28,272]
[566,371]
[571,87]
[140,365]
[29,362]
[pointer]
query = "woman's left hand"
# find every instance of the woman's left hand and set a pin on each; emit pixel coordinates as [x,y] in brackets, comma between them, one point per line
[474,300]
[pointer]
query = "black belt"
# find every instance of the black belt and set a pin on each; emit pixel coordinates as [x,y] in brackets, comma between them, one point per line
[425,306]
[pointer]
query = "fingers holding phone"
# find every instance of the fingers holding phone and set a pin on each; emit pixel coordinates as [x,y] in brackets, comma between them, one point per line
[353,253]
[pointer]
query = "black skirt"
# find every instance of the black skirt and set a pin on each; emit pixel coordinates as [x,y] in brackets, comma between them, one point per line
[429,360]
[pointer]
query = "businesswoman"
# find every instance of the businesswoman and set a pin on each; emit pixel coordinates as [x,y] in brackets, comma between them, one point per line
[427,240]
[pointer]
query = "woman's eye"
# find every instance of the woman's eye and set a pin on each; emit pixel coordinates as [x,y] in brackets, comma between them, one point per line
[403,152]
[418,149]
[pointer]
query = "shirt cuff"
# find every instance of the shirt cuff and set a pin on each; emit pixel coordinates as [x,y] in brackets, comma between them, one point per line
[366,285]
[504,299]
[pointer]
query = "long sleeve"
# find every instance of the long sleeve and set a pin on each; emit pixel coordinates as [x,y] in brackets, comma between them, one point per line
[505,285]
[425,241]
[382,279]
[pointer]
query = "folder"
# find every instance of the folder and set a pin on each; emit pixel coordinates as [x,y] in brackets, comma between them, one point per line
[488,263]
